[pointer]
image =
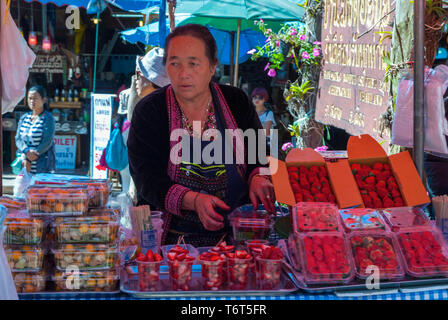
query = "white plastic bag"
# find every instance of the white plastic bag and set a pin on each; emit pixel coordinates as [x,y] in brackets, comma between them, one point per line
[22,182]
[15,58]
[436,125]
[7,287]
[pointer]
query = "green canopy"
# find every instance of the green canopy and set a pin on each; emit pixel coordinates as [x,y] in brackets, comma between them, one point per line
[237,15]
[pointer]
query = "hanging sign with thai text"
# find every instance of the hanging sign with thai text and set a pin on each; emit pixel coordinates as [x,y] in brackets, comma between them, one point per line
[48,63]
[352,92]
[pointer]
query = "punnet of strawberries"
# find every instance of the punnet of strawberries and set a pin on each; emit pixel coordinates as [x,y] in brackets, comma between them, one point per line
[377,185]
[326,258]
[213,269]
[180,265]
[375,250]
[424,253]
[310,217]
[311,184]
[239,264]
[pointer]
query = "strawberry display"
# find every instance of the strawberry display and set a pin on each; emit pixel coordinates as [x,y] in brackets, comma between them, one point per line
[255,246]
[212,267]
[180,268]
[311,184]
[315,217]
[222,247]
[375,250]
[424,253]
[269,267]
[377,185]
[326,259]
[148,270]
[239,263]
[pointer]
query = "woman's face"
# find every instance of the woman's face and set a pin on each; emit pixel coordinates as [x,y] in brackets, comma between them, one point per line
[35,101]
[258,101]
[188,67]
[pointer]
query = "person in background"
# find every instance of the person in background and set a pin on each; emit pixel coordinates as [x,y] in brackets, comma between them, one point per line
[259,97]
[35,133]
[150,76]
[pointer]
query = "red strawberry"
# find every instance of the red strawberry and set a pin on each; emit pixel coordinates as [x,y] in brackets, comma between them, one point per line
[320,197]
[370,180]
[292,169]
[378,166]
[395,193]
[141,257]
[181,257]
[331,198]
[296,188]
[386,166]
[298,197]
[157,257]
[293,176]
[149,255]
[241,254]
[356,167]
[382,192]
[381,184]
[172,256]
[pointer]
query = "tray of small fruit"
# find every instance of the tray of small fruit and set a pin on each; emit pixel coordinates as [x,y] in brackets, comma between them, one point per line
[12,203]
[22,229]
[98,191]
[99,229]
[29,282]
[85,256]
[54,200]
[24,258]
[86,281]
[315,217]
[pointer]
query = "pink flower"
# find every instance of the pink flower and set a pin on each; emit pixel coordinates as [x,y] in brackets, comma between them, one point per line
[322,148]
[269,30]
[252,51]
[286,146]
[317,43]
[268,39]
[303,37]
[277,43]
[305,55]
[316,52]
[272,73]
[267,66]
[261,20]
[293,32]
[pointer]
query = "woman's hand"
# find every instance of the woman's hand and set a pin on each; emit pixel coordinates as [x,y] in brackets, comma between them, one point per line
[205,205]
[32,155]
[26,164]
[262,190]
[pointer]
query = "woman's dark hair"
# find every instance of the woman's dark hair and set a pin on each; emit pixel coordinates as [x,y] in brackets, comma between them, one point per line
[197,31]
[41,91]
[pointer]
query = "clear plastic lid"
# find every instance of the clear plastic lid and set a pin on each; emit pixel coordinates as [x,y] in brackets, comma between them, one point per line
[247,215]
[24,258]
[362,219]
[424,252]
[86,229]
[326,258]
[373,250]
[86,281]
[405,217]
[98,191]
[21,229]
[13,203]
[57,200]
[86,256]
[294,250]
[315,216]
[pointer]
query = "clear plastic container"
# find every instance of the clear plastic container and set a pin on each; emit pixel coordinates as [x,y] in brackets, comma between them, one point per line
[86,281]
[12,203]
[378,249]
[405,217]
[99,191]
[192,251]
[246,225]
[424,252]
[255,246]
[315,216]
[362,219]
[268,272]
[57,200]
[326,258]
[24,258]
[22,229]
[238,271]
[148,275]
[100,229]
[294,250]
[27,282]
[213,271]
[86,256]
[180,274]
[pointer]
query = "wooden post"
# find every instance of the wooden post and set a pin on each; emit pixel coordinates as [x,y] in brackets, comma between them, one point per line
[171,9]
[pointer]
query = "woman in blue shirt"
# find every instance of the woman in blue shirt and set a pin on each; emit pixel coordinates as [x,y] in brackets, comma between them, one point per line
[35,133]
[259,97]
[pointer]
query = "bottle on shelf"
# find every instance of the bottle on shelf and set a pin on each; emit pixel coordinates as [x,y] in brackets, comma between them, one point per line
[70,96]
[63,95]
[76,96]
[56,95]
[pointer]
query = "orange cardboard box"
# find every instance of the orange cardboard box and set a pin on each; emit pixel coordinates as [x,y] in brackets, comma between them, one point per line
[341,179]
[366,150]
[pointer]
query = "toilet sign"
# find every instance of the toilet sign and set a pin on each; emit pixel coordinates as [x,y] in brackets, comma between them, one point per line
[65,149]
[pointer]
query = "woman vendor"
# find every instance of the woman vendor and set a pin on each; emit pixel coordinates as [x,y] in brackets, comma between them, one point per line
[196,196]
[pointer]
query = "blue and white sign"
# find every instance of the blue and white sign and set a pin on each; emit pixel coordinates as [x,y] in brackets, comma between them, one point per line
[101,107]
[65,148]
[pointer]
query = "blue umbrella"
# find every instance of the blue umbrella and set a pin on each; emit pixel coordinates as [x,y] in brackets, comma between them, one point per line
[127,5]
